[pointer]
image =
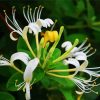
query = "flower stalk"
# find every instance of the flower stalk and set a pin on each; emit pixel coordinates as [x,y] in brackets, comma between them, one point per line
[53,47]
[63,56]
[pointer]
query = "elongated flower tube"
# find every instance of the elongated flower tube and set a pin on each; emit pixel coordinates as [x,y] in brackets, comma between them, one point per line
[35,23]
[77,53]
[30,67]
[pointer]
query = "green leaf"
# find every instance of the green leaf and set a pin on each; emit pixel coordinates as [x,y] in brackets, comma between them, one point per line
[68,93]
[11,82]
[65,82]
[38,74]
[72,37]
[6,96]
[22,47]
[80,7]
[56,54]
[90,11]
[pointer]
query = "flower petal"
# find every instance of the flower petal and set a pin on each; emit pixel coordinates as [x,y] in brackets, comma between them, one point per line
[80,56]
[20,56]
[48,22]
[67,45]
[34,27]
[73,62]
[12,37]
[4,63]
[29,69]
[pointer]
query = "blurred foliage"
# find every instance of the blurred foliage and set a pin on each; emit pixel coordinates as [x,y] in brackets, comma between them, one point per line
[81,19]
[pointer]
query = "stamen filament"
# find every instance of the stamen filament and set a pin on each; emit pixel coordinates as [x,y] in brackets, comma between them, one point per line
[82,44]
[25,14]
[60,76]
[39,15]
[38,12]
[53,25]
[34,19]
[17,69]
[28,12]
[89,50]
[67,70]
[91,53]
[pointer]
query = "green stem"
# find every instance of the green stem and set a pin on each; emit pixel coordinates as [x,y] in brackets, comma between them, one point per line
[64,70]
[60,76]
[17,69]
[63,56]
[53,47]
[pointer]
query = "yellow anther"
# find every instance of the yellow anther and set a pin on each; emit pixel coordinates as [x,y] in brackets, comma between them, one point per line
[51,36]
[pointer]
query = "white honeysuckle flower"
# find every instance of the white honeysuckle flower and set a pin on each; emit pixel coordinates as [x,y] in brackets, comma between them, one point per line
[24,57]
[78,53]
[35,23]
[86,85]
[13,24]
[27,76]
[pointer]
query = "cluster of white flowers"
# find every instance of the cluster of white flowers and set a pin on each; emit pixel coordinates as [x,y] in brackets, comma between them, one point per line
[77,54]
[35,23]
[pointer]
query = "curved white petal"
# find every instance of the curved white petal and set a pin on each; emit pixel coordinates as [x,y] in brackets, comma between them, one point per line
[29,69]
[20,56]
[12,37]
[74,50]
[49,21]
[73,62]
[79,93]
[34,27]
[67,45]
[41,22]
[80,56]
[4,63]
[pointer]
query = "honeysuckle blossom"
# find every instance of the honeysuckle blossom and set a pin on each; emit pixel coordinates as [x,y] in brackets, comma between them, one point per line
[77,53]
[16,56]
[35,23]
[86,85]
[27,76]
